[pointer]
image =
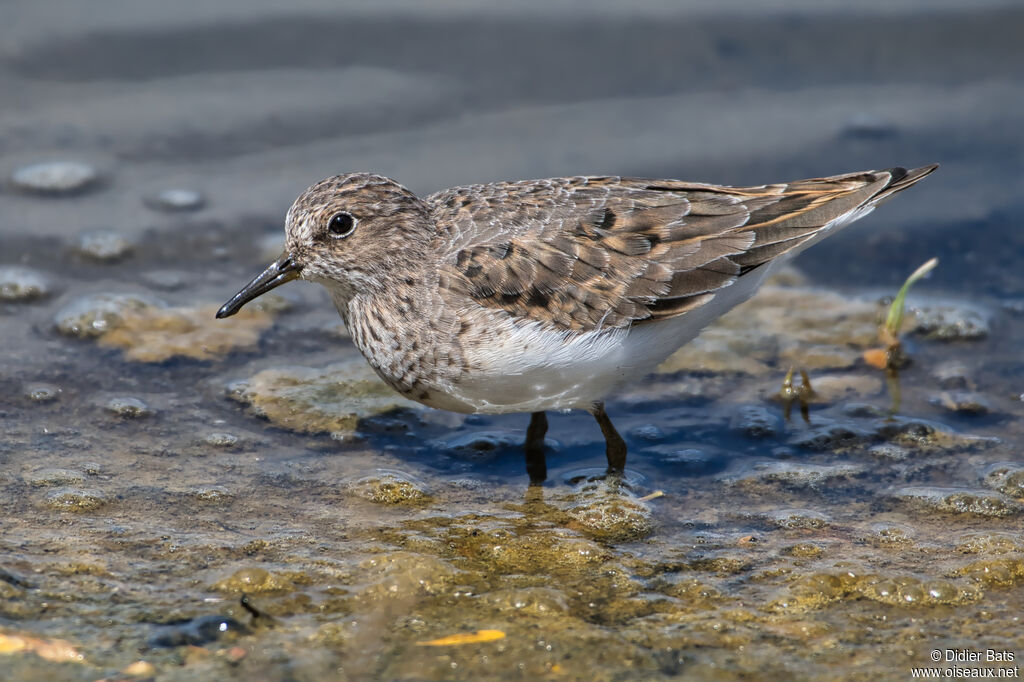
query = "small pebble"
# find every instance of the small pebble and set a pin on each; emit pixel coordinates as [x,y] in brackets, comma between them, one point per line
[105,246]
[55,177]
[42,393]
[129,408]
[176,199]
[20,284]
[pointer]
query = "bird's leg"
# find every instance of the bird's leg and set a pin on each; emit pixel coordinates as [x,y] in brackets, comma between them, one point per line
[615,447]
[536,466]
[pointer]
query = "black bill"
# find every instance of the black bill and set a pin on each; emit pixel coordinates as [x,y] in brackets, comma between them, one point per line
[277,273]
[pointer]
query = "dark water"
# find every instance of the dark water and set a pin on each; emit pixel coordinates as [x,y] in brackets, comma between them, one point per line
[158,465]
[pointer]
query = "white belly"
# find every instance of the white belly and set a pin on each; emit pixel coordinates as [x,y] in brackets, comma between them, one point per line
[529,369]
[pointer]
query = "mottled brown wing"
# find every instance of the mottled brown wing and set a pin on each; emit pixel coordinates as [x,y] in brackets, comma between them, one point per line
[587,253]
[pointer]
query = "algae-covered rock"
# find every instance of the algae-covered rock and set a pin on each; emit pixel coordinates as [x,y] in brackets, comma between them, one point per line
[129,408]
[959,501]
[253,579]
[158,334]
[92,316]
[1007,479]
[75,500]
[1002,572]
[148,331]
[104,246]
[950,323]
[21,284]
[783,325]
[318,400]
[390,487]
[608,511]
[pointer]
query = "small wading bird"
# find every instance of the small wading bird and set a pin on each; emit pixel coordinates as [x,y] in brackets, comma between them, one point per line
[547,294]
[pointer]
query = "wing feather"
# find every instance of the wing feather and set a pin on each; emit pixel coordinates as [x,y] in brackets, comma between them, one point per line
[582,253]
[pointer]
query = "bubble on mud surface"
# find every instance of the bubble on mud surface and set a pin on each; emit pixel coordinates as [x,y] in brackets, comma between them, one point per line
[104,246]
[318,400]
[55,177]
[22,284]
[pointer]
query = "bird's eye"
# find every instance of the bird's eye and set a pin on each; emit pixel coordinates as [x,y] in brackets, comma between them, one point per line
[341,225]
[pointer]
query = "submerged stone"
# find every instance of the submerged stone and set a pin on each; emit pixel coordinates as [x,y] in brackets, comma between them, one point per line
[221,440]
[318,400]
[148,331]
[390,487]
[55,177]
[159,334]
[784,325]
[535,601]
[21,284]
[129,408]
[754,421]
[1007,479]
[950,323]
[54,477]
[796,475]
[106,246]
[42,393]
[608,512]
[75,500]
[196,632]
[963,402]
[959,501]
[92,316]
[176,199]
[254,579]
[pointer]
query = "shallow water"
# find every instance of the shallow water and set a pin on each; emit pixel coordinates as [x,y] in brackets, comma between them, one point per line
[159,467]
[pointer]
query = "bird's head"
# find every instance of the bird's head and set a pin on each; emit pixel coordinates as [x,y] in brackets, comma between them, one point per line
[352,233]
